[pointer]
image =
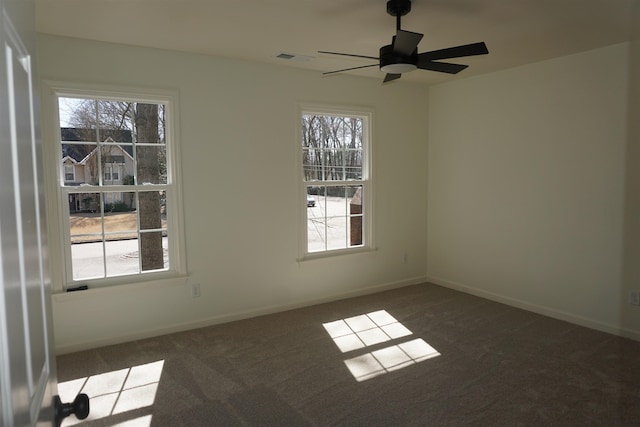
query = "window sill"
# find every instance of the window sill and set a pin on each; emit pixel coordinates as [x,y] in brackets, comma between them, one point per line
[336,253]
[152,284]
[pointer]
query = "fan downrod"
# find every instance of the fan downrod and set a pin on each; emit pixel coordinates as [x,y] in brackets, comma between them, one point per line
[398,8]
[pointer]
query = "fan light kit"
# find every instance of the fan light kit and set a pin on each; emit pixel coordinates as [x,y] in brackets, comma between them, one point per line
[401,56]
[398,68]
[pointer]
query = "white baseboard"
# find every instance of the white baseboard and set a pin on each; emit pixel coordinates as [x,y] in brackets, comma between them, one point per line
[546,311]
[230,317]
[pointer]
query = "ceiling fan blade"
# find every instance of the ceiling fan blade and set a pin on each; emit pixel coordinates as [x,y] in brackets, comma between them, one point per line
[406,42]
[443,67]
[349,69]
[391,77]
[456,52]
[349,54]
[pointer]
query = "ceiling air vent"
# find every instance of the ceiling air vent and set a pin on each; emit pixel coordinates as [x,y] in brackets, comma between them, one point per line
[293,57]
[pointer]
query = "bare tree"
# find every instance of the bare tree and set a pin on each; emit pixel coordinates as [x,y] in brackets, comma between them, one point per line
[148,167]
[332,147]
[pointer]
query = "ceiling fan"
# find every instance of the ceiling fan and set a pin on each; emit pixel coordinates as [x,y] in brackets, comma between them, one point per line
[401,56]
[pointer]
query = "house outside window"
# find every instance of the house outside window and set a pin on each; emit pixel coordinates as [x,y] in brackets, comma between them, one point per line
[336,180]
[120,215]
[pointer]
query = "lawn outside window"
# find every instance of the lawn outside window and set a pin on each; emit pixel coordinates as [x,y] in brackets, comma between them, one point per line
[118,200]
[335,169]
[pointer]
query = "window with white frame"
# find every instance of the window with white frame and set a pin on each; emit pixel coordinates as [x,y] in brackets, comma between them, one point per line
[112,173]
[120,212]
[335,149]
[69,173]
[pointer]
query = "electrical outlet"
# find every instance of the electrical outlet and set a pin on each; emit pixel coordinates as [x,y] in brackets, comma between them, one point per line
[634,297]
[195,290]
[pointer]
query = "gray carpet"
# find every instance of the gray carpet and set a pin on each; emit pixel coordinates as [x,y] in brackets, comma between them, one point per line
[451,359]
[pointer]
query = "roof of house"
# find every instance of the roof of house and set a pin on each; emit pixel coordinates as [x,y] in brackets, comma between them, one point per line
[81,134]
[80,152]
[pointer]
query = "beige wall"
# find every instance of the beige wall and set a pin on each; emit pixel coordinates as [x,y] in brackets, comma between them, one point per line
[526,189]
[238,138]
[631,262]
[529,202]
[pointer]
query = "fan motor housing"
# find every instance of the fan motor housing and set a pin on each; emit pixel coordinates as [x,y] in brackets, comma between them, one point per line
[398,7]
[391,62]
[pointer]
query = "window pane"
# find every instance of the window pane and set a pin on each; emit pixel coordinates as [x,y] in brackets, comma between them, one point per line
[120,218]
[336,233]
[115,121]
[77,152]
[316,234]
[152,210]
[312,199]
[149,122]
[117,163]
[334,217]
[152,165]
[355,211]
[87,260]
[334,165]
[85,230]
[312,164]
[354,197]
[84,203]
[122,257]
[317,197]
[89,134]
[353,165]
[153,252]
[165,250]
[336,202]
[78,166]
[152,217]
[77,119]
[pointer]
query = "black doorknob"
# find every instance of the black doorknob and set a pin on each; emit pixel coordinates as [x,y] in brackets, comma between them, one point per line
[79,407]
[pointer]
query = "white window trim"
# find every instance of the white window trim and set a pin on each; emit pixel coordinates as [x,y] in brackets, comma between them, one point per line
[61,272]
[368,225]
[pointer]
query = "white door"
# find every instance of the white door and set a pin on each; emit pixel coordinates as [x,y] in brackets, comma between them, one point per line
[27,363]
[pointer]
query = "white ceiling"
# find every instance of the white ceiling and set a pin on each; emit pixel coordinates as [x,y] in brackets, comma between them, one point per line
[516,31]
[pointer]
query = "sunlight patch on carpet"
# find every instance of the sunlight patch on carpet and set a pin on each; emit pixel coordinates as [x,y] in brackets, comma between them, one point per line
[366,330]
[390,359]
[115,392]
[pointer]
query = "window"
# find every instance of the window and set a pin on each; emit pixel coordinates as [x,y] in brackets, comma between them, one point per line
[69,173]
[120,212]
[335,179]
[111,173]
